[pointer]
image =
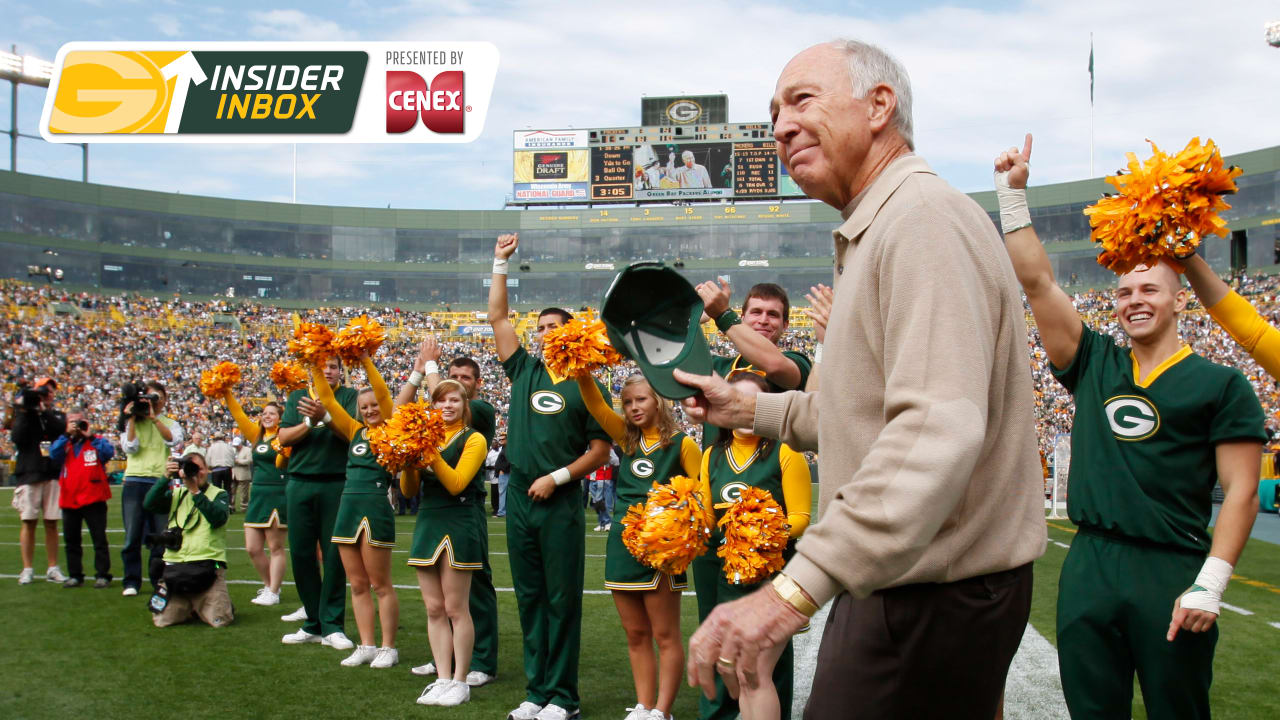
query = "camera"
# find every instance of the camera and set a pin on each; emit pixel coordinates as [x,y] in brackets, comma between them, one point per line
[170,539]
[142,400]
[189,468]
[80,426]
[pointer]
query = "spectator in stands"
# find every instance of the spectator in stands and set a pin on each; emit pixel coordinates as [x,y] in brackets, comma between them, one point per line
[32,421]
[83,493]
[222,457]
[502,466]
[146,442]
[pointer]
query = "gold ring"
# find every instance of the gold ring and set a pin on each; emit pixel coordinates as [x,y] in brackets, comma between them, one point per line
[724,661]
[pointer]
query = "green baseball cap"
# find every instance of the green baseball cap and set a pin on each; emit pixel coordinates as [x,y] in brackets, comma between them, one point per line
[651,313]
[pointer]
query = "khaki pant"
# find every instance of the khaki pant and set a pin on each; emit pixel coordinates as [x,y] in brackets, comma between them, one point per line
[213,606]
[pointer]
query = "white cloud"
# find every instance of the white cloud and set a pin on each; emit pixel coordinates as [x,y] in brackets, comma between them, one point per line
[295,25]
[168,25]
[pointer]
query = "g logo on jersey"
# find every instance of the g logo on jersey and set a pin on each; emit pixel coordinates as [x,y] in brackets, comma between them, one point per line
[1132,417]
[642,467]
[545,402]
[361,449]
[732,491]
[262,449]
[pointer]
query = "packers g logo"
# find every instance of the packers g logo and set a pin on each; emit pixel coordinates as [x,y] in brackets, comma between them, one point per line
[361,449]
[732,491]
[545,402]
[682,112]
[642,467]
[262,449]
[1132,417]
[102,91]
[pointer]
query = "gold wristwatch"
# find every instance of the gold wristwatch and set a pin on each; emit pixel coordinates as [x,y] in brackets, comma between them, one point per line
[790,592]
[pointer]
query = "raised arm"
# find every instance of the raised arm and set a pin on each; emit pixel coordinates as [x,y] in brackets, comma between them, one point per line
[339,420]
[1235,314]
[1056,318]
[504,336]
[755,348]
[380,390]
[248,428]
[797,489]
[456,479]
[610,421]
[424,369]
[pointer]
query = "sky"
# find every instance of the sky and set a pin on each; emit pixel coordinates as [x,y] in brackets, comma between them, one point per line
[983,74]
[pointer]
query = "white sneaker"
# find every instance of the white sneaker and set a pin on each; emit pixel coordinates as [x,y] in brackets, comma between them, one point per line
[266,597]
[526,711]
[455,694]
[128,592]
[431,693]
[301,637]
[639,712]
[362,656]
[656,714]
[475,678]
[424,670]
[54,574]
[551,711]
[387,657]
[299,615]
[338,641]
[608,526]
[598,528]
[25,577]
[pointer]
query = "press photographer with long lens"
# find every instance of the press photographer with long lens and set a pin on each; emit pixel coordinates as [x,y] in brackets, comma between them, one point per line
[32,421]
[194,541]
[146,436]
[83,492]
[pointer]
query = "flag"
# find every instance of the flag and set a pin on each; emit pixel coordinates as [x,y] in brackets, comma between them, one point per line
[1091,70]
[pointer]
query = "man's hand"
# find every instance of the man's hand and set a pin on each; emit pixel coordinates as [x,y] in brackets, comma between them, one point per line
[733,637]
[428,351]
[542,488]
[506,246]
[191,484]
[313,409]
[1190,620]
[716,402]
[715,298]
[171,468]
[1015,164]
[820,298]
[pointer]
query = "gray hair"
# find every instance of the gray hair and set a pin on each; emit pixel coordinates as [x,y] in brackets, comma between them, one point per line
[870,66]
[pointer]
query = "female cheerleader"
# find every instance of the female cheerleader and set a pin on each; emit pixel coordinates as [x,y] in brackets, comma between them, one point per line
[265,518]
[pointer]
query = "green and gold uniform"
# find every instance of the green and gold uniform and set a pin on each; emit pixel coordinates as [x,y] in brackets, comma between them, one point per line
[364,507]
[1143,468]
[484,598]
[725,366]
[636,474]
[267,496]
[317,473]
[484,420]
[548,428]
[452,528]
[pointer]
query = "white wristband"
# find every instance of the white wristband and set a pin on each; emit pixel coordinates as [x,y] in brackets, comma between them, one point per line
[432,368]
[561,476]
[415,378]
[500,266]
[1014,213]
[1206,593]
[817,353]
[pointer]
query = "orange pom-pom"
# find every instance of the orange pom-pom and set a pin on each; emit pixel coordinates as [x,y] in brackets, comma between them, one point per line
[755,533]
[220,378]
[578,347]
[409,439]
[281,449]
[1164,207]
[289,377]
[671,528]
[361,336]
[312,343]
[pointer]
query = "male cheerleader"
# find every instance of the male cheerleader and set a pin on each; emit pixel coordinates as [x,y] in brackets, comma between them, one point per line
[1155,427]
[551,441]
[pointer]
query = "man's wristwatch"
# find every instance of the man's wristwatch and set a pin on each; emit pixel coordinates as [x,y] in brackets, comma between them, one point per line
[791,593]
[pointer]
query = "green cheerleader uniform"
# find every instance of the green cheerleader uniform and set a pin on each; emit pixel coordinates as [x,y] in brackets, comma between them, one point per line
[267,497]
[450,526]
[365,507]
[636,474]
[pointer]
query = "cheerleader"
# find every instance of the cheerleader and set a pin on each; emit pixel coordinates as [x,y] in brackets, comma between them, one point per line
[735,461]
[265,519]
[449,543]
[648,601]
[365,528]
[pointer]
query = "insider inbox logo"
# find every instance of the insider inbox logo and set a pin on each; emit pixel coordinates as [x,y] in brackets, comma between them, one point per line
[441,105]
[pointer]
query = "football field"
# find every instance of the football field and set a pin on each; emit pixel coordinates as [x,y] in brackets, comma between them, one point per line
[69,652]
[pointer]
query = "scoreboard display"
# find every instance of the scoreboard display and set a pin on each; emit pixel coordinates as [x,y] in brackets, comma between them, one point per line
[650,164]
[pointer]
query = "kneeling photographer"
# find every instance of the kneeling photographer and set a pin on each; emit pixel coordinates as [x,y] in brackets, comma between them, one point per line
[195,546]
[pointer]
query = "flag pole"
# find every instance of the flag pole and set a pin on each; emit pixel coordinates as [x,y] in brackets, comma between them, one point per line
[1090,104]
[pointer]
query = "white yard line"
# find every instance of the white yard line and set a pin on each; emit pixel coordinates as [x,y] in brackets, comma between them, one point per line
[1236,609]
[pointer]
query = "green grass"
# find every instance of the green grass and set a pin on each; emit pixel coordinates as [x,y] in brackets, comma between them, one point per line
[75,651]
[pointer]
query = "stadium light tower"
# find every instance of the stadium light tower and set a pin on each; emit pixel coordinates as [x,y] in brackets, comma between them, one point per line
[29,70]
[1273,33]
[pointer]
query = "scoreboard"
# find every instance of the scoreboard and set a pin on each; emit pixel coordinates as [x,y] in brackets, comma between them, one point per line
[649,164]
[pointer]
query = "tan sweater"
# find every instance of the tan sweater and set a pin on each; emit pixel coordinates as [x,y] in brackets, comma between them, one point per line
[923,417]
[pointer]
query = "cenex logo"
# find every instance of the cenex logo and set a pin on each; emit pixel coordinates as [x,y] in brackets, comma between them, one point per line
[441,105]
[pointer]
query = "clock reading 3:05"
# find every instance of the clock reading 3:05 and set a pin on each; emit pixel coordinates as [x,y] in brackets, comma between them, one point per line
[611,168]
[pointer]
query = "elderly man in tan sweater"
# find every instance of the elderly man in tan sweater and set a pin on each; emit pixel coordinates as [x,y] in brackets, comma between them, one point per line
[931,508]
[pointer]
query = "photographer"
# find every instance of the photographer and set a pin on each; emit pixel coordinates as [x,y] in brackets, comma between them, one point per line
[83,493]
[195,546]
[32,421]
[147,437]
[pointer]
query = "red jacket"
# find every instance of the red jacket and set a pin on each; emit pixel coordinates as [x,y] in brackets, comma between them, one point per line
[84,475]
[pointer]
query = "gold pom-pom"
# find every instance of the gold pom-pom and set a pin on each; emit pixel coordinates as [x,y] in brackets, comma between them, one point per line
[409,439]
[1163,207]
[281,449]
[578,347]
[361,336]
[218,379]
[312,343]
[671,528]
[289,377]
[755,533]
